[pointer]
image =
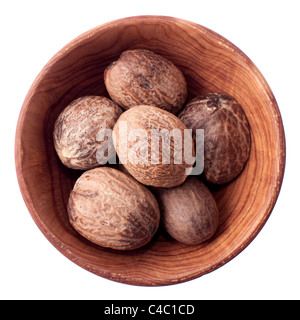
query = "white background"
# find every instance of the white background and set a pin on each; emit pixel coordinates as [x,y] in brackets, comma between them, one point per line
[31,32]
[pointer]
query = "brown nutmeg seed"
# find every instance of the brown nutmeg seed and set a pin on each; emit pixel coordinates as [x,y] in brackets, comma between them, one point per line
[154,146]
[189,212]
[76,129]
[113,210]
[144,77]
[227,138]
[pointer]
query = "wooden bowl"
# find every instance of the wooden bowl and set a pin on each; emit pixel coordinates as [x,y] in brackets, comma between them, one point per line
[209,63]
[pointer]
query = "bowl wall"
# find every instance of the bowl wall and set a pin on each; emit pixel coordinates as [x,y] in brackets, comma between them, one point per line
[209,63]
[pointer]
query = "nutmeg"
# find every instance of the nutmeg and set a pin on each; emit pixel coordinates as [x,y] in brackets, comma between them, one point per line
[142,77]
[227,137]
[76,129]
[154,146]
[189,212]
[113,210]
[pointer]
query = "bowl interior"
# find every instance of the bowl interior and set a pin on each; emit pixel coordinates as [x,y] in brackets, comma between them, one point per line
[209,63]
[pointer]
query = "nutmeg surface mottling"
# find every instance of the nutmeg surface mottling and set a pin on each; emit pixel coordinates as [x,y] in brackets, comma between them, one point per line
[189,212]
[154,146]
[143,77]
[76,129]
[113,210]
[227,136]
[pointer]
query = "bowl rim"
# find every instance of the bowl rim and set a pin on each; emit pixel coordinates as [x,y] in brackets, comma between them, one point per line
[70,46]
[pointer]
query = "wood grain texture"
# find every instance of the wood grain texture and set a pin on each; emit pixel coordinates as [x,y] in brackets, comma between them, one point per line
[209,63]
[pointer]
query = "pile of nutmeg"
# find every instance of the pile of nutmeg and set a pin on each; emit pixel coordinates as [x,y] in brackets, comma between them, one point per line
[150,131]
